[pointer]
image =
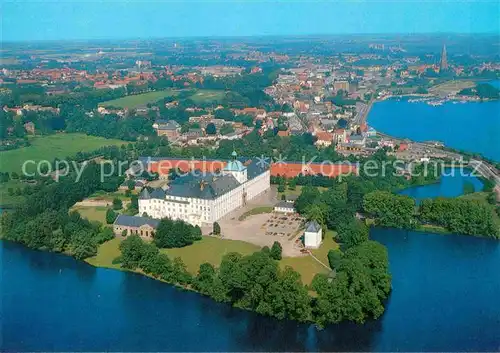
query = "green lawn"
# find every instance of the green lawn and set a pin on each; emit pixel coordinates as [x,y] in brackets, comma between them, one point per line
[49,147]
[211,250]
[207,95]
[306,265]
[5,198]
[478,196]
[256,210]
[119,194]
[97,213]
[106,253]
[136,100]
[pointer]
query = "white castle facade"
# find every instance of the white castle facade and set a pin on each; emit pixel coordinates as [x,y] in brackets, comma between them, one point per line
[205,199]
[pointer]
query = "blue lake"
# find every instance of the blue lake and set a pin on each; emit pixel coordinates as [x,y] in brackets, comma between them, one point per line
[451,184]
[473,127]
[445,297]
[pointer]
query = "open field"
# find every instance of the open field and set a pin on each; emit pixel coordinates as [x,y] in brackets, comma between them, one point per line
[105,254]
[5,198]
[97,213]
[207,95]
[451,86]
[307,266]
[209,249]
[212,249]
[136,100]
[478,196]
[49,147]
[199,96]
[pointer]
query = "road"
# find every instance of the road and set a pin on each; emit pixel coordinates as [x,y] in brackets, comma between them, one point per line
[486,170]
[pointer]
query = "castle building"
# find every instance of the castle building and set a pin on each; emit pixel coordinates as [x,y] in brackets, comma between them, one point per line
[203,198]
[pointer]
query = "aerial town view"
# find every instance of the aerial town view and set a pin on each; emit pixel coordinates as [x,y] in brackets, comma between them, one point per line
[250,176]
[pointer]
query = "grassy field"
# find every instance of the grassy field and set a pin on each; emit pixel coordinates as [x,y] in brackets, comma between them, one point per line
[207,96]
[5,198]
[256,210]
[211,250]
[309,267]
[97,213]
[50,147]
[109,196]
[478,196]
[199,96]
[452,86]
[105,254]
[137,100]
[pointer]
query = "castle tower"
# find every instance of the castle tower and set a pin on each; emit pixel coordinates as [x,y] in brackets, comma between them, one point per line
[236,168]
[443,65]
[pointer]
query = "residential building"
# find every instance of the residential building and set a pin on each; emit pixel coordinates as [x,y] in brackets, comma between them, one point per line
[284,207]
[324,139]
[168,128]
[341,85]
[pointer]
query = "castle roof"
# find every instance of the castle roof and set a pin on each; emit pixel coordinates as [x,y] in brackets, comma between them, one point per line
[313,227]
[135,221]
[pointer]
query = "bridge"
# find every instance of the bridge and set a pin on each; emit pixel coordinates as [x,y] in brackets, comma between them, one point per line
[486,170]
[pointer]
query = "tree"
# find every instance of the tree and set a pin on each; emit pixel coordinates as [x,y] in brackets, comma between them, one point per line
[205,279]
[352,233]
[110,216]
[211,129]
[117,204]
[390,210]
[175,234]
[276,250]
[308,196]
[281,188]
[316,213]
[134,202]
[132,251]
[216,228]
[334,258]
[83,245]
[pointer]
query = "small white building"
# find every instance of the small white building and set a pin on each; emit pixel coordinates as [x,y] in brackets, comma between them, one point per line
[313,235]
[284,207]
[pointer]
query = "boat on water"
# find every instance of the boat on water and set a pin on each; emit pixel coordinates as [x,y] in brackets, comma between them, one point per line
[435,103]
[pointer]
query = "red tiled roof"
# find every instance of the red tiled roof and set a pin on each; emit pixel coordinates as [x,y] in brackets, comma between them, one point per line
[290,170]
[324,136]
[163,167]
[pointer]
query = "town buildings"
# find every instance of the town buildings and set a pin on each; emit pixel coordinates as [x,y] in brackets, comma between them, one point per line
[168,128]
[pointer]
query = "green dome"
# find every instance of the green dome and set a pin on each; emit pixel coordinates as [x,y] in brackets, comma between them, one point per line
[234,166]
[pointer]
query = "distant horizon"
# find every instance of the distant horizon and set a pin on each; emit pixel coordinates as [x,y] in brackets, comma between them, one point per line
[25,21]
[214,37]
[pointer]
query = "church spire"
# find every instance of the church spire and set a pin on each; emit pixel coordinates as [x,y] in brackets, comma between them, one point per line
[443,65]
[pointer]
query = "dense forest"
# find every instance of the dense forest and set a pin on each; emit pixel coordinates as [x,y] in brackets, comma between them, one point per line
[43,220]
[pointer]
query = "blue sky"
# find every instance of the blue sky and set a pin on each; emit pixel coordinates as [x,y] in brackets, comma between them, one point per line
[93,19]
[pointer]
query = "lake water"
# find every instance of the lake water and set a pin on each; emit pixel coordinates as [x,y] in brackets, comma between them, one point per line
[472,127]
[446,292]
[451,184]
